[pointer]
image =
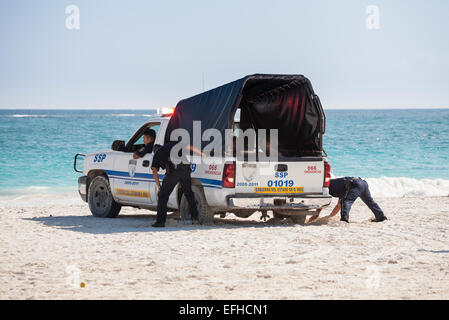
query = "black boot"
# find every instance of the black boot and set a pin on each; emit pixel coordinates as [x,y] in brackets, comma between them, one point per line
[383,218]
[194,217]
[345,219]
[158,225]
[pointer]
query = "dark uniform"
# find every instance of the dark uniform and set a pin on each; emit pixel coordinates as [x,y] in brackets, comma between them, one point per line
[174,174]
[348,189]
[144,150]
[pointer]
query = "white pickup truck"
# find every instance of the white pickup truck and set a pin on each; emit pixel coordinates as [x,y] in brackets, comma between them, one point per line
[296,185]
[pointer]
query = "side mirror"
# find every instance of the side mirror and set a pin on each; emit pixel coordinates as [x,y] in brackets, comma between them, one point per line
[118,145]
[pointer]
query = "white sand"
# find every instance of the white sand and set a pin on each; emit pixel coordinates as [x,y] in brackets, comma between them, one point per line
[47,251]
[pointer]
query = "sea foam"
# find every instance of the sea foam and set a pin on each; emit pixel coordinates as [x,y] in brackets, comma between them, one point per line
[407,187]
[29,116]
[123,114]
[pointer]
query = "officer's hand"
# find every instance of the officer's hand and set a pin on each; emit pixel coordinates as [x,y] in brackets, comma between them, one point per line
[135,156]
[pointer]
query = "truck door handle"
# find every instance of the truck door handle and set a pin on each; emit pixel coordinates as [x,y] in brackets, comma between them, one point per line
[146,163]
[281,167]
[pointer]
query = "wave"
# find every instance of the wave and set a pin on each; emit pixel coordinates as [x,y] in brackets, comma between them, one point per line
[28,116]
[81,115]
[39,196]
[408,187]
[123,114]
[132,115]
[37,188]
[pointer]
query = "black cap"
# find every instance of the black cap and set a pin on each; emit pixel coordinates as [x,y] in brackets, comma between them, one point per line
[150,132]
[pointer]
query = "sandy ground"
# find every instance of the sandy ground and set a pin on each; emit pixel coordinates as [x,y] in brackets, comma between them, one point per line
[50,252]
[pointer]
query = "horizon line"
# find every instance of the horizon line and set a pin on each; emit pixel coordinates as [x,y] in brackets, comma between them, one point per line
[155,108]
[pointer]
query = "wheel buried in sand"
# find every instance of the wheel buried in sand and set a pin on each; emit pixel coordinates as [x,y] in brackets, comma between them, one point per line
[296,219]
[205,214]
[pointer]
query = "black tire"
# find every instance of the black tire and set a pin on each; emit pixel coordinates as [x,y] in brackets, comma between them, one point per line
[299,219]
[101,202]
[278,216]
[243,214]
[205,214]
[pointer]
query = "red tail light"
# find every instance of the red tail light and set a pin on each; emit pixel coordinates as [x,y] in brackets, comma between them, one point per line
[327,174]
[228,175]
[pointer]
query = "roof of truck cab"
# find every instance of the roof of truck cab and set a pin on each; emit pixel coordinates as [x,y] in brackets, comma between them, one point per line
[157,118]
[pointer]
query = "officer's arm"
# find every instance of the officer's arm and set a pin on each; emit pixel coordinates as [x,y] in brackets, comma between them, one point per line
[315,216]
[156,178]
[336,209]
[196,150]
[139,153]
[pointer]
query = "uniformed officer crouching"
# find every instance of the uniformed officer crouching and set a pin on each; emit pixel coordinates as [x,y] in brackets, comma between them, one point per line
[347,190]
[173,174]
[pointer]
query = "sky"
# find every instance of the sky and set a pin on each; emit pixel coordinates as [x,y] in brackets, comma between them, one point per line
[141,54]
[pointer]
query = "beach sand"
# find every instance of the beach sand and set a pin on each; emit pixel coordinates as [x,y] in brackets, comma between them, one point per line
[60,251]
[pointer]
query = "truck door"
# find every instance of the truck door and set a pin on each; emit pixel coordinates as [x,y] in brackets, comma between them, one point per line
[132,178]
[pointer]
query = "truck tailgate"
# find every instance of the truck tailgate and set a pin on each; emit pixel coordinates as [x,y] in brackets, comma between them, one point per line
[301,176]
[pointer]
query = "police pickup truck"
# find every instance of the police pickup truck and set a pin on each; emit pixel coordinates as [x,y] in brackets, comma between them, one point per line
[293,186]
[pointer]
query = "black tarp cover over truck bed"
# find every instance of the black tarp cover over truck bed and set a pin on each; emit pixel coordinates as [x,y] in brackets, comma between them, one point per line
[283,102]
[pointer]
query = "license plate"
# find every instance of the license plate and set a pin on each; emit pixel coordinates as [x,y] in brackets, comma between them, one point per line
[279,190]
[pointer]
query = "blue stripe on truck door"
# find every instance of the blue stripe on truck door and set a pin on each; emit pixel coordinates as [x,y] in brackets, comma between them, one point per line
[121,175]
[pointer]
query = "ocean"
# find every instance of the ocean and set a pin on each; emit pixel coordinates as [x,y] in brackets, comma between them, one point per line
[401,152]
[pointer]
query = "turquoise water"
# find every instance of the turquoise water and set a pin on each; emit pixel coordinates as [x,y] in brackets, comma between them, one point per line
[391,143]
[38,146]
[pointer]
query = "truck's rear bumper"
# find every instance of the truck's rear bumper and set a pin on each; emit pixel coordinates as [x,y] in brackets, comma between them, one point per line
[82,187]
[279,203]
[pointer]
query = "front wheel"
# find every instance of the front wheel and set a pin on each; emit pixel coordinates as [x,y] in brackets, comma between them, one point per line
[101,202]
[205,215]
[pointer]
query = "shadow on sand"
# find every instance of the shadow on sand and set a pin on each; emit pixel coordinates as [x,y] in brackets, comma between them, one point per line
[143,222]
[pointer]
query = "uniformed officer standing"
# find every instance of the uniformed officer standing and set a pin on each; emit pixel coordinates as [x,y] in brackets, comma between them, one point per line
[173,175]
[348,189]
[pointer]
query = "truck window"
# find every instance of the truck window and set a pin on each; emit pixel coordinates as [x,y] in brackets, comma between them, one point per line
[246,147]
[136,141]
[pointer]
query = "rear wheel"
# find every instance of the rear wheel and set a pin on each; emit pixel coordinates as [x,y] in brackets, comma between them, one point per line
[299,219]
[101,202]
[205,215]
[278,216]
[296,219]
[243,214]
